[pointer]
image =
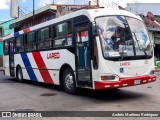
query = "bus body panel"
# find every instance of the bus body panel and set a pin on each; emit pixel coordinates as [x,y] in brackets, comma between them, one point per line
[44,66]
[129,69]
[126,72]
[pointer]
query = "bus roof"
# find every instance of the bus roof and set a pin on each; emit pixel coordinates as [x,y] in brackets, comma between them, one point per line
[91,14]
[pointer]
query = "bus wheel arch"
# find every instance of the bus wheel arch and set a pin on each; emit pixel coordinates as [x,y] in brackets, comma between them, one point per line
[19,74]
[67,72]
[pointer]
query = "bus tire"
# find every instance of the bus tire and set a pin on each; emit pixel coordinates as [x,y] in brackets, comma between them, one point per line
[19,75]
[69,82]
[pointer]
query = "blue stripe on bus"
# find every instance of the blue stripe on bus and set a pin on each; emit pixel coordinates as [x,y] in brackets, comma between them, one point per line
[16,34]
[28,67]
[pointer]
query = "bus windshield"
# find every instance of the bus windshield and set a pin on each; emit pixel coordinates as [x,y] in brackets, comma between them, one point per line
[123,38]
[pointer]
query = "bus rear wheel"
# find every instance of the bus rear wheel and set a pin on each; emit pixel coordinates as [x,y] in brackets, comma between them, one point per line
[69,81]
[19,75]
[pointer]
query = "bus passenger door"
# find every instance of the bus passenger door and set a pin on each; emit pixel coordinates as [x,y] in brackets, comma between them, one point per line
[11,59]
[83,57]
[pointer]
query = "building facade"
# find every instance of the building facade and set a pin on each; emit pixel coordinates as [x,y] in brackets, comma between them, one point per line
[150,14]
[4,28]
[4,31]
[41,15]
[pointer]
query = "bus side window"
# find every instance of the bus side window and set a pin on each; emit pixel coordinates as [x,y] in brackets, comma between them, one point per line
[61,30]
[69,34]
[44,40]
[62,34]
[46,37]
[30,40]
[19,44]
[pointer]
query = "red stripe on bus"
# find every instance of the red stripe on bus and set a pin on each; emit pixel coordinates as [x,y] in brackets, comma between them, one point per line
[83,33]
[42,68]
[26,30]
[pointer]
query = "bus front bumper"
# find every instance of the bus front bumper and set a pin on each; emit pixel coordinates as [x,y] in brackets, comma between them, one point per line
[124,82]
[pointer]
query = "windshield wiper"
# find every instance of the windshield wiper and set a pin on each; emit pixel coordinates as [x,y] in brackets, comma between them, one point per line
[140,45]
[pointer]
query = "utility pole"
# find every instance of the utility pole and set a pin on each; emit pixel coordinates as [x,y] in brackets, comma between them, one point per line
[98,3]
[33,12]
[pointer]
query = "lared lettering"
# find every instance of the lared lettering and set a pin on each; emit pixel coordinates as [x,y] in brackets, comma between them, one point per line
[55,55]
[125,64]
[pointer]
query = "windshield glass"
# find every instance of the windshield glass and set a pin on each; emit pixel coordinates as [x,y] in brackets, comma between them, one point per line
[123,37]
[140,37]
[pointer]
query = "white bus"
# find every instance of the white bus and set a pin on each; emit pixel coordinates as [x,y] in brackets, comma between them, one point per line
[96,49]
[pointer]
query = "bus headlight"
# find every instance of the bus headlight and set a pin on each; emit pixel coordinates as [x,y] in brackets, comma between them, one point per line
[152,72]
[108,77]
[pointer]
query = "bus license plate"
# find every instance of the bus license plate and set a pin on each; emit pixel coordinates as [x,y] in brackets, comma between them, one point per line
[137,82]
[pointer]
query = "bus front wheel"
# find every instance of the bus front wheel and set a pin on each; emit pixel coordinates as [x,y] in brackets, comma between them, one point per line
[69,81]
[19,75]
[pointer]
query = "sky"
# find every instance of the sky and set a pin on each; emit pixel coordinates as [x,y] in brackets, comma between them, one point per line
[27,5]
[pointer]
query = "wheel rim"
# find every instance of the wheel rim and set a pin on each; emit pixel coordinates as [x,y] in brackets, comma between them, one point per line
[19,74]
[69,81]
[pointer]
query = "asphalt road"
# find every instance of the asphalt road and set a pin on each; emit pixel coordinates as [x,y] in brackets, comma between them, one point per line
[30,96]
